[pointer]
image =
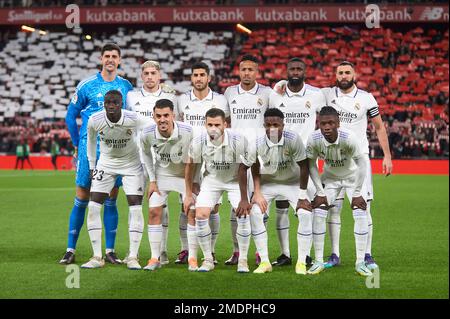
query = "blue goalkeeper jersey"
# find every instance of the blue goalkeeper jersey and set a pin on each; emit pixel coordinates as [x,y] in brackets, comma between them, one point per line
[88,99]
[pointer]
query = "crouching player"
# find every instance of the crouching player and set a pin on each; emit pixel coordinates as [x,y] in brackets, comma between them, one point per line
[344,169]
[225,155]
[119,156]
[170,142]
[282,164]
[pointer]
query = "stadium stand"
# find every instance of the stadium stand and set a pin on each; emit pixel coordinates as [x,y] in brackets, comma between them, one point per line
[406,70]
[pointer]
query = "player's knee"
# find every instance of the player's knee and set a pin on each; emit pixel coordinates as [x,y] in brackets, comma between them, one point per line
[134,200]
[359,214]
[282,204]
[82,193]
[98,197]
[202,213]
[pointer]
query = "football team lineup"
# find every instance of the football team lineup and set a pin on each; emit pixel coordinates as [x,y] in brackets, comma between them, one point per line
[224,153]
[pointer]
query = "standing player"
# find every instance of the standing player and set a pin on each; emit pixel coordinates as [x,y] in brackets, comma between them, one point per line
[87,100]
[282,164]
[169,141]
[248,101]
[142,101]
[300,103]
[119,156]
[225,155]
[355,107]
[344,170]
[192,107]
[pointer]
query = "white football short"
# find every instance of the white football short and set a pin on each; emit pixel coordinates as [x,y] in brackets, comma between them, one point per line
[103,182]
[334,188]
[167,184]
[367,189]
[211,191]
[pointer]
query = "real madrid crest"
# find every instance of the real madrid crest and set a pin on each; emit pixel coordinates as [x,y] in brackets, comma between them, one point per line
[260,102]
[129,132]
[357,106]
[308,104]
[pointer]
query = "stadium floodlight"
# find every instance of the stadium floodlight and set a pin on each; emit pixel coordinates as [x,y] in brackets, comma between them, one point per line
[42,32]
[241,28]
[27,28]
[88,37]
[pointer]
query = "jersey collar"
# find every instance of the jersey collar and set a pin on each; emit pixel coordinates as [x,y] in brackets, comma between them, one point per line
[171,137]
[351,94]
[157,93]
[271,144]
[209,97]
[327,144]
[119,122]
[299,93]
[225,141]
[253,91]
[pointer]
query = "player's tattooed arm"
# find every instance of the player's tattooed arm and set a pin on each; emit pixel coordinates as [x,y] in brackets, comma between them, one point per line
[244,206]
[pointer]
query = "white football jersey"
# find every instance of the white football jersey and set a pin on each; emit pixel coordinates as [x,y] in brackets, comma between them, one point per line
[118,143]
[170,153]
[354,108]
[300,109]
[247,108]
[222,161]
[279,160]
[338,157]
[142,102]
[192,111]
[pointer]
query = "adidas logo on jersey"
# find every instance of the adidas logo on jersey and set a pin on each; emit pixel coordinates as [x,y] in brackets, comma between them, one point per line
[137,103]
[234,102]
[187,107]
[99,95]
[140,189]
[334,101]
[282,105]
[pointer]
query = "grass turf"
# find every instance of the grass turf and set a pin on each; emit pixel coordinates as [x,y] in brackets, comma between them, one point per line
[410,245]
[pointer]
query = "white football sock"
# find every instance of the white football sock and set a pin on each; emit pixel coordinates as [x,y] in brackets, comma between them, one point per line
[233,223]
[243,233]
[361,230]
[155,234]
[192,241]
[283,225]
[214,224]
[334,226]
[369,235]
[135,229]
[259,233]
[304,234]
[204,236]
[319,230]
[183,221]
[165,228]
[94,226]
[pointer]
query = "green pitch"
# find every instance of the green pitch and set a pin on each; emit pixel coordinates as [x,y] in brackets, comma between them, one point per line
[410,213]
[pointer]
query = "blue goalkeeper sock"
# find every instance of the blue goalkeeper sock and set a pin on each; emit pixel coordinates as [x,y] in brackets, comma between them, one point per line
[76,222]
[111,220]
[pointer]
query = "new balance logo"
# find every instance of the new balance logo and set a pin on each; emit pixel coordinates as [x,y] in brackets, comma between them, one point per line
[430,14]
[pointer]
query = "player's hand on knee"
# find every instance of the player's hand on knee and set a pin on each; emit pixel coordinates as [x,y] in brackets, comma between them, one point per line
[187,204]
[303,204]
[243,208]
[153,188]
[259,200]
[359,202]
[75,152]
[320,201]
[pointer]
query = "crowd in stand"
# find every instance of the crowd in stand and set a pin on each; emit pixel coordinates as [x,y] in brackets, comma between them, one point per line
[409,80]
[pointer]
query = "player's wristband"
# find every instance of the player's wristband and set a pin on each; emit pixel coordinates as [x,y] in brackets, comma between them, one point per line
[302,194]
